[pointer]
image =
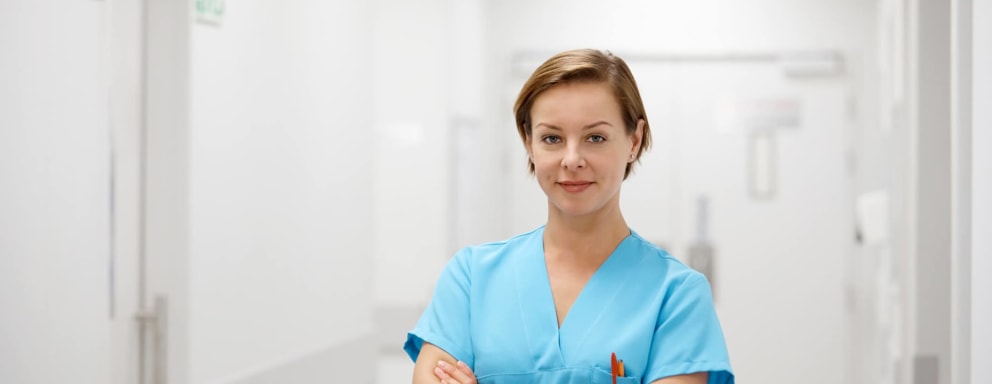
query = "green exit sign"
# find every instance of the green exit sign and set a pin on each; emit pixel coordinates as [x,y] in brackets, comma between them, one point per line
[210,11]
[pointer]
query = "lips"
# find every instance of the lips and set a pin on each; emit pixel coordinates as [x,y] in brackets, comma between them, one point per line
[575,186]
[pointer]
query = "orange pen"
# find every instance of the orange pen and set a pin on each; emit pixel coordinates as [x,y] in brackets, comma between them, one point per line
[614,367]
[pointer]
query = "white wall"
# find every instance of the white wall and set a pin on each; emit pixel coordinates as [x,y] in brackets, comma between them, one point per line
[930,116]
[981,194]
[125,101]
[54,193]
[281,233]
[409,138]
[432,169]
[165,191]
[961,104]
[473,162]
[437,184]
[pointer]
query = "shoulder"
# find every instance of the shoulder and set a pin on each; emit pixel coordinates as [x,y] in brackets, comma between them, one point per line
[500,251]
[671,276]
[660,261]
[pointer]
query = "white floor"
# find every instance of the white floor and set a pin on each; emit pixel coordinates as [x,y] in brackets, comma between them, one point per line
[393,369]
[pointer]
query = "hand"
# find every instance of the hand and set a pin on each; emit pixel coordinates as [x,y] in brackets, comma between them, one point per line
[449,374]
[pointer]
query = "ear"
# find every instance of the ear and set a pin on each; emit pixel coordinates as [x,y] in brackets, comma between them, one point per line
[528,148]
[636,138]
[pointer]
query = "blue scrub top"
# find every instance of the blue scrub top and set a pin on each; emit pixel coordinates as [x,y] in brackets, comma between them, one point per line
[492,308]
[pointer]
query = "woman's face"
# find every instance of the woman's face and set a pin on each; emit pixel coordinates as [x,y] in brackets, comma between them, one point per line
[580,147]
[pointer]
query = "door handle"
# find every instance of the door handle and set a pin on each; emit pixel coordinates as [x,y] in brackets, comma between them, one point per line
[152,326]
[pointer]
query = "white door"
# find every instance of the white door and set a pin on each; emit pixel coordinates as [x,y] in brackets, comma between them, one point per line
[56,261]
[767,153]
[70,195]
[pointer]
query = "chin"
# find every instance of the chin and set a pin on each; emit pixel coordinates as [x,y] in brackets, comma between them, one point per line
[573,208]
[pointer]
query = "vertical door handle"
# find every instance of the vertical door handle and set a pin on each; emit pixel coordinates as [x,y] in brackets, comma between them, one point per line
[152,349]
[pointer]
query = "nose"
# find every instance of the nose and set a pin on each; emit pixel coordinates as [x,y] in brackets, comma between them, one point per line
[573,158]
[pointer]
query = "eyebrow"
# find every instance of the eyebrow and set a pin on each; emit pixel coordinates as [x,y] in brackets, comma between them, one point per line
[593,125]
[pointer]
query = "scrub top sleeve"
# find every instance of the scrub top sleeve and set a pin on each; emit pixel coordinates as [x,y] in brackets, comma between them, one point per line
[445,322]
[688,337]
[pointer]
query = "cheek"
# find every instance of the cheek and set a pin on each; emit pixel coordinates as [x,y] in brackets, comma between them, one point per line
[543,167]
[544,159]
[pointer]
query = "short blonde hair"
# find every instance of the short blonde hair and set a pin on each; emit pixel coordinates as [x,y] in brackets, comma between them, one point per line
[585,65]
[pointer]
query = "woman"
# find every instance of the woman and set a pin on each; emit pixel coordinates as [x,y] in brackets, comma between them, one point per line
[554,305]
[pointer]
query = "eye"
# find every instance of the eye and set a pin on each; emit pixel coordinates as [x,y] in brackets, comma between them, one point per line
[597,138]
[551,139]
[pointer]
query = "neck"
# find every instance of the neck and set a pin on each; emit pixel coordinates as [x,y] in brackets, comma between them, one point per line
[588,236]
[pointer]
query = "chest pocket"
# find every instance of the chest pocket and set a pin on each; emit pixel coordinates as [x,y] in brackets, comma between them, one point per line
[591,375]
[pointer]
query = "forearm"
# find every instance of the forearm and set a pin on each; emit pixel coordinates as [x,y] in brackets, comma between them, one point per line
[423,369]
[692,378]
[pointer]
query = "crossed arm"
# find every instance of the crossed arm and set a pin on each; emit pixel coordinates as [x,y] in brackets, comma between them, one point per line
[692,378]
[435,366]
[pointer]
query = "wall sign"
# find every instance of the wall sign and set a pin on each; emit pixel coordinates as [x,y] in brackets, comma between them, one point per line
[209,11]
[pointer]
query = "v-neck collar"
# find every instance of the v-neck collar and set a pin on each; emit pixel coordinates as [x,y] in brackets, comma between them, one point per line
[550,344]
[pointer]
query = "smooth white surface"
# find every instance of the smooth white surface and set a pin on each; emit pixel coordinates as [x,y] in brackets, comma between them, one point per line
[409,134]
[54,193]
[762,165]
[873,217]
[167,167]
[281,151]
[961,81]
[125,121]
[476,162]
[930,116]
[884,162]
[981,203]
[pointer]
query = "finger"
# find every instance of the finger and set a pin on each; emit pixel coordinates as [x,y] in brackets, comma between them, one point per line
[459,373]
[466,370]
[456,373]
[443,376]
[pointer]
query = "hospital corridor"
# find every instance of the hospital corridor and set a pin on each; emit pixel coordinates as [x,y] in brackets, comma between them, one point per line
[256,192]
